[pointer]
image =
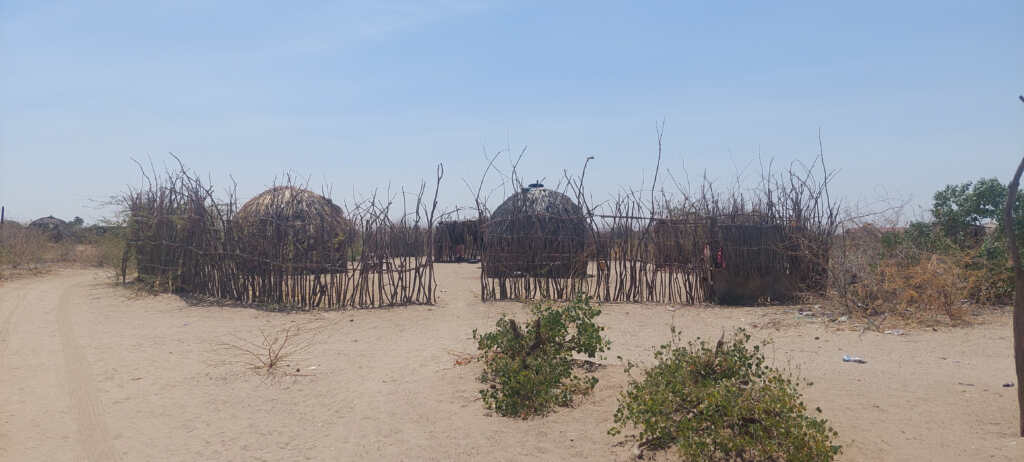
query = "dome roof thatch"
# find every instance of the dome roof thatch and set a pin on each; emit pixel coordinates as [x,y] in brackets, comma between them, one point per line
[539,201]
[48,223]
[53,227]
[292,205]
[537,232]
[296,226]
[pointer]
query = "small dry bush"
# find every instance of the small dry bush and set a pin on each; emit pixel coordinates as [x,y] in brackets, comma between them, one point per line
[933,288]
[276,350]
[23,248]
[20,246]
[106,251]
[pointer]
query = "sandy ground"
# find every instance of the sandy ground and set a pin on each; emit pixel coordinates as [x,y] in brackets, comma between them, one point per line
[91,371]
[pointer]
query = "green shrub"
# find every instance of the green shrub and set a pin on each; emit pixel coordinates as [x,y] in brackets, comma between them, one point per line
[722,402]
[530,370]
[990,274]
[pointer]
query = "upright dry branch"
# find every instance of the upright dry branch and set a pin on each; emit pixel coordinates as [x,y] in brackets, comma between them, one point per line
[1018,298]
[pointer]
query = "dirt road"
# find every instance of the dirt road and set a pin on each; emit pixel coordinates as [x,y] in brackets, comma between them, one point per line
[50,406]
[90,371]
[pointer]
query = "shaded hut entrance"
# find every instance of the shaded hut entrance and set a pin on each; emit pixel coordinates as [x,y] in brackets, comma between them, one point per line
[751,265]
[681,245]
[458,241]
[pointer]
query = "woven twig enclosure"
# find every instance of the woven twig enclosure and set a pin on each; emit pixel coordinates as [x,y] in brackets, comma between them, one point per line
[288,247]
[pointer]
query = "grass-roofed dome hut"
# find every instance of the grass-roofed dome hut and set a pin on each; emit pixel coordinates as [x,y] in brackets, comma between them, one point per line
[536,232]
[53,227]
[295,226]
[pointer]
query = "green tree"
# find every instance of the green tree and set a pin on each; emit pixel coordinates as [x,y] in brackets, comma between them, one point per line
[958,208]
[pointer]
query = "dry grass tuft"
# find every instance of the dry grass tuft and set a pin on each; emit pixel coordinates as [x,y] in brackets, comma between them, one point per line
[27,250]
[933,288]
[904,285]
[21,246]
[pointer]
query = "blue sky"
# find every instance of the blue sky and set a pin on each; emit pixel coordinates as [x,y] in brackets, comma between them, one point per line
[909,96]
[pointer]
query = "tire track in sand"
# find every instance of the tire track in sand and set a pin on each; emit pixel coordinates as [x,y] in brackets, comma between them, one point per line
[5,327]
[5,340]
[92,431]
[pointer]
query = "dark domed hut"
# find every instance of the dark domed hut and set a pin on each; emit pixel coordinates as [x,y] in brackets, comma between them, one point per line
[536,232]
[52,227]
[295,226]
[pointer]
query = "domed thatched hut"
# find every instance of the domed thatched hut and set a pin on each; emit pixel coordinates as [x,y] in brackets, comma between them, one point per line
[53,227]
[536,232]
[292,225]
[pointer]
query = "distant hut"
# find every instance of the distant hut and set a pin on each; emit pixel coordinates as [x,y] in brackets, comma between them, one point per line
[52,227]
[295,226]
[536,232]
[457,241]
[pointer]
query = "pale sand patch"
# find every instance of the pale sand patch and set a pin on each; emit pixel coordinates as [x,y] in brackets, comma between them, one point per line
[151,382]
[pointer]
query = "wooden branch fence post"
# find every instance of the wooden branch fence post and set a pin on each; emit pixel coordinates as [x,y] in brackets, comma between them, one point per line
[1018,297]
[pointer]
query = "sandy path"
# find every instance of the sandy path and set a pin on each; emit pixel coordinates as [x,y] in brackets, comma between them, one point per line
[90,423]
[93,372]
[47,380]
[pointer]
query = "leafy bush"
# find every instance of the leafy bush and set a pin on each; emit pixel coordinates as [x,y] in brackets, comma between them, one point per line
[530,370]
[109,250]
[959,208]
[918,238]
[722,402]
[991,276]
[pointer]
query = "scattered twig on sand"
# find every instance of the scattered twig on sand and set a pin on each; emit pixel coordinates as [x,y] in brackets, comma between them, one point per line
[276,349]
[463,358]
